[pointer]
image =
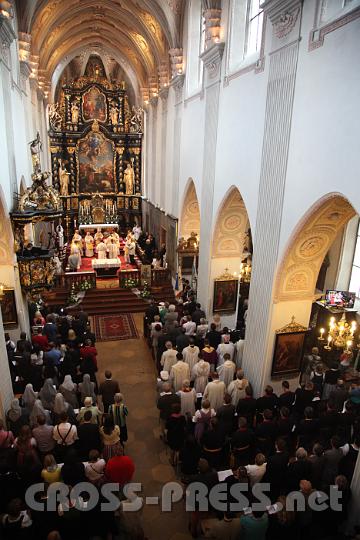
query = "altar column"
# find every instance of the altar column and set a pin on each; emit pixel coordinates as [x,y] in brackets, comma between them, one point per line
[212,58]
[279,104]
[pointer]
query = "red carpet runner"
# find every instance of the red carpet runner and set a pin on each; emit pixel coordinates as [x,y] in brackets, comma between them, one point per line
[114,327]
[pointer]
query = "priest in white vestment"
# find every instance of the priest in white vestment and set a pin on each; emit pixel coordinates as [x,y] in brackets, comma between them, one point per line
[89,245]
[215,391]
[101,250]
[239,351]
[236,388]
[191,354]
[168,357]
[226,370]
[200,375]
[187,399]
[179,373]
[225,348]
[113,249]
[75,250]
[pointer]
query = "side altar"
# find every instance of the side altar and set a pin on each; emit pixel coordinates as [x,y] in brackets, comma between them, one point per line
[96,151]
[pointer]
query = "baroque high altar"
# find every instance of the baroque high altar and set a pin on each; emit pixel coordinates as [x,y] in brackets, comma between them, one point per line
[96,151]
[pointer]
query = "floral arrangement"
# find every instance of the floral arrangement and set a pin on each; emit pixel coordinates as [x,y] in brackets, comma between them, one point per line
[73,297]
[129,283]
[85,285]
[145,293]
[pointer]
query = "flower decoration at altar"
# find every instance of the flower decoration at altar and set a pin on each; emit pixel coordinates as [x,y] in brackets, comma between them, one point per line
[145,293]
[129,283]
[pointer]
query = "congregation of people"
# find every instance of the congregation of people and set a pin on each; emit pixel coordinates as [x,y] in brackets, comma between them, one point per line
[304,441]
[64,425]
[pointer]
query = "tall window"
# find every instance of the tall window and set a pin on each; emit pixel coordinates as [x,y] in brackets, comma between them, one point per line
[195,46]
[332,9]
[355,273]
[254,27]
[246,25]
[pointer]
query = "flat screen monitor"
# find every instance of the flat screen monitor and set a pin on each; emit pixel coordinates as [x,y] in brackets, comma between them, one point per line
[344,299]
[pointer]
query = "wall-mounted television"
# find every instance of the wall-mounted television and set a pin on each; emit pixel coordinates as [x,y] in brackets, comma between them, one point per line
[343,299]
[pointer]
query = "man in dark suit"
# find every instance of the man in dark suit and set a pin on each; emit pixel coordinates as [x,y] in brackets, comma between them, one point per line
[276,469]
[151,311]
[198,314]
[89,437]
[107,389]
[165,402]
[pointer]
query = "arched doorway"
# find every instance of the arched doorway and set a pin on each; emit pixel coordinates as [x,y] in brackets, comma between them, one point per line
[295,281]
[232,250]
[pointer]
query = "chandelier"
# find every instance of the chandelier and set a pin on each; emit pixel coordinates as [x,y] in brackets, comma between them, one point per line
[340,334]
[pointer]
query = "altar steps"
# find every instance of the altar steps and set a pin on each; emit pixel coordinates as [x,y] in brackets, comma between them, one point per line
[111,300]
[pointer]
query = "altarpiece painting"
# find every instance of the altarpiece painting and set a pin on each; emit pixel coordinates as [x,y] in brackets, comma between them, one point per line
[94,105]
[96,164]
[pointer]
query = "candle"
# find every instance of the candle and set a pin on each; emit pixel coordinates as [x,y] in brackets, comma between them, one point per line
[329,340]
[322,330]
[348,344]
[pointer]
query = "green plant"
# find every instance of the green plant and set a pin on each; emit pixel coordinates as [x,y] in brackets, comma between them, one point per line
[145,293]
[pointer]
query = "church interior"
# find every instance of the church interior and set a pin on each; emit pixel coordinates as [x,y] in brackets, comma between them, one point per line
[179,268]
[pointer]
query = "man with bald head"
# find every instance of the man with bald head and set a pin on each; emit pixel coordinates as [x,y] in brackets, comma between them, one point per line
[165,402]
[168,357]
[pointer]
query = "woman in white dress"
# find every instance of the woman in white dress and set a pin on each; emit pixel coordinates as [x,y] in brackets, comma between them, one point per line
[187,399]
[89,245]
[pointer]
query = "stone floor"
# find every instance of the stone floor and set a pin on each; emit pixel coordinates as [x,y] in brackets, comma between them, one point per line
[131,364]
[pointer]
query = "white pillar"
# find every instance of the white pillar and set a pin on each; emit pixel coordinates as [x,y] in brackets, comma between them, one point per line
[279,104]
[212,59]
[6,391]
[164,93]
[177,83]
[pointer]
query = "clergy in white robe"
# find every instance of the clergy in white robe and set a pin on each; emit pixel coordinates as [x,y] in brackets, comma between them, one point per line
[215,391]
[113,249]
[239,351]
[200,375]
[101,250]
[187,399]
[191,354]
[89,245]
[168,357]
[225,348]
[98,236]
[236,388]
[226,370]
[179,373]
[75,250]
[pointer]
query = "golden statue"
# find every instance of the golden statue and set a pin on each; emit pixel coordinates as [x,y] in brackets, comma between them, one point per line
[129,179]
[64,180]
[114,115]
[74,113]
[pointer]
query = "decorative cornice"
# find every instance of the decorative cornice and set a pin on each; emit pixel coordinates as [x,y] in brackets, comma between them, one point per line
[212,60]
[163,93]
[283,15]
[7,34]
[177,83]
[154,101]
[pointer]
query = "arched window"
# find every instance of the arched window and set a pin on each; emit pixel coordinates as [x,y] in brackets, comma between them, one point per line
[246,23]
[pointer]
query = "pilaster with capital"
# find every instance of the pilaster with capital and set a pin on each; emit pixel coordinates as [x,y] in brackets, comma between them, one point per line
[7,36]
[285,16]
[212,59]
[163,94]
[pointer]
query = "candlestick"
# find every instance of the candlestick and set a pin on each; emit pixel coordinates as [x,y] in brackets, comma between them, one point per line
[328,347]
[321,337]
[348,345]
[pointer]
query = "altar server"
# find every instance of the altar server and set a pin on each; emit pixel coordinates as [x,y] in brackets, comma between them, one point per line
[75,250]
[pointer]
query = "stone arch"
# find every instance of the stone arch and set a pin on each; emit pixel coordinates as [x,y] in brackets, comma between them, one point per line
[190,213]
[232,224]
[308,245]
[6,235]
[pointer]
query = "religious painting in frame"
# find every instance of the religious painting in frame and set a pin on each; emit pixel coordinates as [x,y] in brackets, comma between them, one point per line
[8,308]
[225,294]
[288,351]
[96,163]
[94,105]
